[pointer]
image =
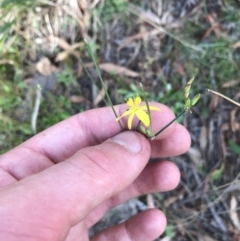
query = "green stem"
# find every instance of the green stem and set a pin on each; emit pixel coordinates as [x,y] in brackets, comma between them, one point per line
[103,85]
[166,126]
[138,124]
[91,78]
[148,109]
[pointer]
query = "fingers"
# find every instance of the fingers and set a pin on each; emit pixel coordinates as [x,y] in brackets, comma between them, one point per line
[71,189]
[174,144]
[62,140]
[146,226]
[88,128]
[156,177]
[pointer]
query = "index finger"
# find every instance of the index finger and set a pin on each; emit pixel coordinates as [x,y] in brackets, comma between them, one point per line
[62,140]
[90,128]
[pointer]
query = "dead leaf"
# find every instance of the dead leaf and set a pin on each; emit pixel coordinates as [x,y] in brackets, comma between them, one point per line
[233,213]
[100,95]
[150,16]
[208,32]
[234,231]
[63,55]
[7,61]
[194,10]
[119,70]
[203,140]
[233,120]
[166,239]
[60,42]
[179,68]
[138,36]
[170,201]
[150,201]
[44,67]
[231,83]
[215,26]
[195,156]
[77,99]
[215,99]
[225,127]
[236,45]
[69,49]
[28,80]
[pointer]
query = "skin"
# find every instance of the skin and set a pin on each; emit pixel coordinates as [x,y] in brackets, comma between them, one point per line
[59,183]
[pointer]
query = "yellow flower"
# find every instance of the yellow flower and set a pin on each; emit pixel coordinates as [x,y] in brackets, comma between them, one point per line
[139,111]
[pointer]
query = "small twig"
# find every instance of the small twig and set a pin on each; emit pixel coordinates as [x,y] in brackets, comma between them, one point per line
[36,108]
[223,96]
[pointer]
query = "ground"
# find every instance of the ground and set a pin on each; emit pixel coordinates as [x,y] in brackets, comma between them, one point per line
[45,71]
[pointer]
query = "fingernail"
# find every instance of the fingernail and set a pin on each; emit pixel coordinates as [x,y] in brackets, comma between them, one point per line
[129,140]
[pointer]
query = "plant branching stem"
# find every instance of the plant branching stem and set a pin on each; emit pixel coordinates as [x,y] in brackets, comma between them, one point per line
[166,126]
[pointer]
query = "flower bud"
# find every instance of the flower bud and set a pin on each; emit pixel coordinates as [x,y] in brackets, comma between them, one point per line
[195,99]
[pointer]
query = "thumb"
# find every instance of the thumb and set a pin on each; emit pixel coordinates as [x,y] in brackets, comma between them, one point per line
[104,170]
[76,186]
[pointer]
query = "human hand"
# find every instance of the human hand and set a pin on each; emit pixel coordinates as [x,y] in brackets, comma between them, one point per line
[59,183]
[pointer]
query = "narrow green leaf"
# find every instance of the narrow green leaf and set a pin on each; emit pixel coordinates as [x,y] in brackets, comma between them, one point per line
[6,3]
[234,147]
[191,81]
[187,88]
[146,131]
[216,174]
[195,99]
[6,26]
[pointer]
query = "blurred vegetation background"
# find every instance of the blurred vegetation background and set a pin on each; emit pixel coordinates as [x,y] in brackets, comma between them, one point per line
[161,43]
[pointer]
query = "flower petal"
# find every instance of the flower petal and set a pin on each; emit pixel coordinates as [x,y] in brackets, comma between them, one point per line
[154,108]
[127,112]
[130,102]
[137,101]
[143,117]
[130,119]
[144,107]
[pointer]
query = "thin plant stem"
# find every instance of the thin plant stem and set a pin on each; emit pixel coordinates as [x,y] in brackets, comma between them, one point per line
[90,77]
[138,124]
[103,85]
[148,109]
[223,96]
[166,126]
[36,108]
